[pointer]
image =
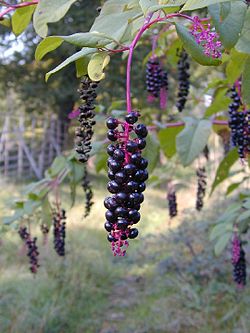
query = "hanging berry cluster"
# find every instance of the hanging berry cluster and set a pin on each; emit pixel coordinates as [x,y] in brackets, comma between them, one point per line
[45,231]
[239,123]
[172,202]
[239,262]
[88,192]
[183,78]
[32,250]
[201,189]
[59,224]
[156,81]
[127,174]
[85,132]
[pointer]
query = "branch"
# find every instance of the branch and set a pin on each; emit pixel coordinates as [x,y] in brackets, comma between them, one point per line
[14,7]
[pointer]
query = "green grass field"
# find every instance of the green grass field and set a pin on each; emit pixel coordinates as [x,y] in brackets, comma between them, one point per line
[169,281]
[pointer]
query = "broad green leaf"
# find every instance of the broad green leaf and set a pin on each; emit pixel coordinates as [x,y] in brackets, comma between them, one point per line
[191,141]
[21,19]
[246,203]
[82,66]
[49,11]
[86,39]
[167,139]
[233,187]
[151,152]
[246,82]
[195,4]
[6,22]
[84,52]
[222,243]
[235,65]
[96,66]
[101,161]
[230,213]
[30,206]
[194,49]
[219,230]
[243,44]
[46,212]
[243,216]
[47,45]
[220,102]
[230,28]
[148,6]
[59,163]
[224,168]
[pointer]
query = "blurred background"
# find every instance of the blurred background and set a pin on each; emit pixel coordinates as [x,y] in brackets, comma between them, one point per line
[170,281]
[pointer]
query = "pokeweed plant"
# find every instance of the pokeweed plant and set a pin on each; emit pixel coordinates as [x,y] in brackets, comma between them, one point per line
[119,27]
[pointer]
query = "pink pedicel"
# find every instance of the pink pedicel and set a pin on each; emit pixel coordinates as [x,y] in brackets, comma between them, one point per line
[205,37]
[74,114]
[163,98]
[119,247]
[235,249]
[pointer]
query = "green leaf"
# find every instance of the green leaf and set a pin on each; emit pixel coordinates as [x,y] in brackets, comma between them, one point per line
[167,139]
[220,102]
[46,212]
[151,152]
[224,168]
[229,28]
[219,230]
[233,187]
[230,213]
[21,19]
[84,52]
[82,66]
[235,65]
[243,216]
[192,139]
[222,243]
[243,44]
[195,4]
[150,6]
[246,82]
[47,45]
[96,66]
[101,161]
[6,22]
[59,163]
[49,11]
[194,49]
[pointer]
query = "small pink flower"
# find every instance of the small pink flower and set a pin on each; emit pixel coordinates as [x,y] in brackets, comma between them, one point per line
[205,37]
[236,247]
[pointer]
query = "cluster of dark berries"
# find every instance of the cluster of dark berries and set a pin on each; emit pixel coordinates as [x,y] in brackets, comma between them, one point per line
[127,173]
[88,192]
[156,78]
[45,231]
[172,202]
[32,250]
[239,123]
[239,262]
[183,78]
[201,190]
[85,132]
[59,224]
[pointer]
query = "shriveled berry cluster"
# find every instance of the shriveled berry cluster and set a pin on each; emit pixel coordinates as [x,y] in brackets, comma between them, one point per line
[32,250]
[239,262]
[88,192]
[156,78]
[59,224]
[201,190]
[85,132]
[239,123]
[172,203]
[127,173]
[183,77]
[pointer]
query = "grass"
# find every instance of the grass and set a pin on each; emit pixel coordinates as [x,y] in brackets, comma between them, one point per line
[158,287]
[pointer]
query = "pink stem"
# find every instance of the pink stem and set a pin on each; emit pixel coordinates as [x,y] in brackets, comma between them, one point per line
[14,7]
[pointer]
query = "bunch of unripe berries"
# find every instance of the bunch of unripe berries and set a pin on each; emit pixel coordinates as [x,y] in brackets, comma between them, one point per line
[156,77]
[183,79]
[32,249]
[201,189]
[127,171]
[239,123]
[87,188]
[85,131]
[59,224]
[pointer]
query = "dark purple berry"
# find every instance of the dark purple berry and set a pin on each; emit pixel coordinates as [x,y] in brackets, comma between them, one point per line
[112,123]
